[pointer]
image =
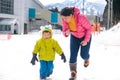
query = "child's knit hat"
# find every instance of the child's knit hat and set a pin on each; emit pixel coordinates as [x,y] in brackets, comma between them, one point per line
[47,28]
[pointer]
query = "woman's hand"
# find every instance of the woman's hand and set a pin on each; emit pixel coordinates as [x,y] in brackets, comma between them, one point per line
[83,43]
[67,33]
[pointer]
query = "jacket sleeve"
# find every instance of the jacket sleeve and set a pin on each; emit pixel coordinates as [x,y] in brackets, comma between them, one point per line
[57,47]
[36,48]
[64,27]
[86,24]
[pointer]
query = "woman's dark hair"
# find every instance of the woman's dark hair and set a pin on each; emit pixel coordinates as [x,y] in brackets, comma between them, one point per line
[67,11]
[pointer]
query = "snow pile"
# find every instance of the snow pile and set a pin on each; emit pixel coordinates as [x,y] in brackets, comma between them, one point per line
[115,28]
[110,37]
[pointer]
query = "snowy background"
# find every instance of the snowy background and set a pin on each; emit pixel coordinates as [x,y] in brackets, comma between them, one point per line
[16,53]
[45,2]
[91,7]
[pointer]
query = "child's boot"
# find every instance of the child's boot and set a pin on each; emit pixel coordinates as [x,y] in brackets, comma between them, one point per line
[73,71]
[42,78]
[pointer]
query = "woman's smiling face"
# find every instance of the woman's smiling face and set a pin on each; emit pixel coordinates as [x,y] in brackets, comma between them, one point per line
[67,18]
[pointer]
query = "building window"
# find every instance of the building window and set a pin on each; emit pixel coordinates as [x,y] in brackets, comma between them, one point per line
[7,6]
[5,28]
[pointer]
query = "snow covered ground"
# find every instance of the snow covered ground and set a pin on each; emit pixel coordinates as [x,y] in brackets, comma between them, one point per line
[16,53]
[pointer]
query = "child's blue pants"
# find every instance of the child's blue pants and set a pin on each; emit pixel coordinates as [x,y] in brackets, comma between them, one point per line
[46,68]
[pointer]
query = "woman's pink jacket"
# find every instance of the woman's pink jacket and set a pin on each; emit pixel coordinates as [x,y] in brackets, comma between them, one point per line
[83,26]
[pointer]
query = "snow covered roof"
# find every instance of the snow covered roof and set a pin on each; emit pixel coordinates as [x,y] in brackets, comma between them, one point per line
[38,2]
[7,21]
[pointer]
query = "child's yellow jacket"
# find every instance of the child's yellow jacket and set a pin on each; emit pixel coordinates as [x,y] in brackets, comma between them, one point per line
[46,49]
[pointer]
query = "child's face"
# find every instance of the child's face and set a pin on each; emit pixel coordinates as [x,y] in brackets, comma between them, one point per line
[46,34]
[67,18]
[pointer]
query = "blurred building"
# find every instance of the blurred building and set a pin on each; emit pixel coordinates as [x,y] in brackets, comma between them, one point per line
[15,15]
[111,15]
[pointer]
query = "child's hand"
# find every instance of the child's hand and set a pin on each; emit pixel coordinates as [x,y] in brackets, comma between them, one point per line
[63,57]
[34,58]
[83,43]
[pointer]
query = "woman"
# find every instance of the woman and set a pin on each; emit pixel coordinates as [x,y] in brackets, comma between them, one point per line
[80,28]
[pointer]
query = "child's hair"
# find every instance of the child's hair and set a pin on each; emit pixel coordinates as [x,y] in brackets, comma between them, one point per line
[67,11]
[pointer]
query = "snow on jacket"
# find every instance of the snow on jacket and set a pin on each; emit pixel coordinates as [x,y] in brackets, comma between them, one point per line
[46,49]
[82,24]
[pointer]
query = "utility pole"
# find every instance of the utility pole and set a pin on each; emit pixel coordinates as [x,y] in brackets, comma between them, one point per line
[83,6]
[108,21]
[111,12]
